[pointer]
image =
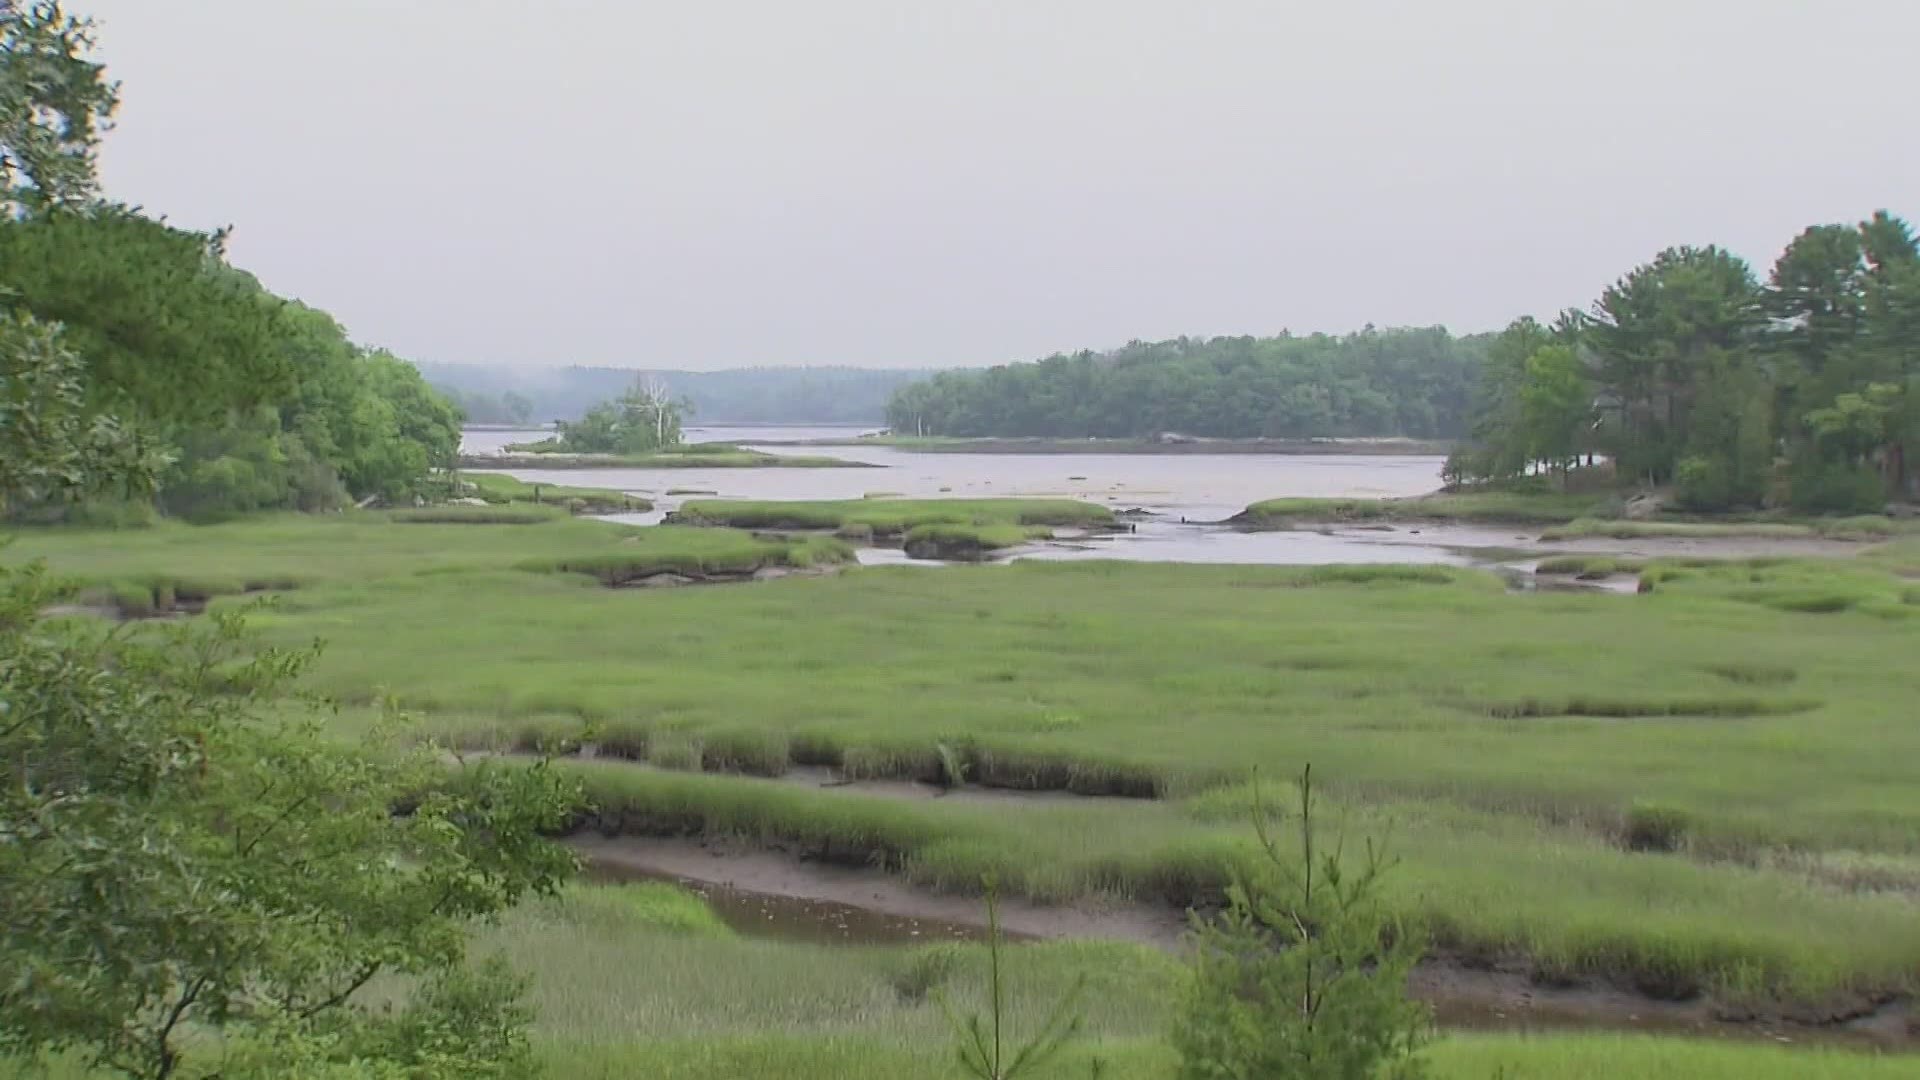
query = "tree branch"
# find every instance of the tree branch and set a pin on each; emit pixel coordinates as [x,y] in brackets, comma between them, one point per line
[163,1038]
[296,804]
[365,976]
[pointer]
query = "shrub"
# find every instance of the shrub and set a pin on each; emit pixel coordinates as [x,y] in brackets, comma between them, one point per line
[1829,487]
[1703,484]
[154,771]
[1305,976]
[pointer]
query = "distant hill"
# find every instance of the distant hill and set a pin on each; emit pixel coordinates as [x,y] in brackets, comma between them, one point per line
[819,395]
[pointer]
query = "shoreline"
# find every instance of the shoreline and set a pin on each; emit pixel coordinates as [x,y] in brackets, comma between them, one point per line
[1364,447]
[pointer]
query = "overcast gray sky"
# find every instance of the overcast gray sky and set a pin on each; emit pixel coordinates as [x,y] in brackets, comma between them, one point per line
[710,183]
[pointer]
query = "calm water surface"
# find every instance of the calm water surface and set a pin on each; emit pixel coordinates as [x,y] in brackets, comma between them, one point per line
[1182,492]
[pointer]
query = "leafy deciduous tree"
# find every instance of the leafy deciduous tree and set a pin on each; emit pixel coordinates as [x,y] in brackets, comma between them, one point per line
[54,102]
[172,860]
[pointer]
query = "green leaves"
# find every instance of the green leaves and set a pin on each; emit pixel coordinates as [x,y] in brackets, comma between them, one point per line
[175,852]
[53,445]
[641,420]
[1411,382]
[54,101]
[1303,976]
[170,333]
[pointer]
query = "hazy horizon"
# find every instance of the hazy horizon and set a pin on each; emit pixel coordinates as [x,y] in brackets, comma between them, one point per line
[867,184]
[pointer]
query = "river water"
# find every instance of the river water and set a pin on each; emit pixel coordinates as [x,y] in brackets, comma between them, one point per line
[1182,492]
[1184,497]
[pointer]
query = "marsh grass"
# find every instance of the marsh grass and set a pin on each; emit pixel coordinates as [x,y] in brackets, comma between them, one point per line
[893,517]
[679,751]
[692,552]
[1864,528]
[1488,507]
[522,514]
[1806,587]
[957,541]
[627,987]
[644,980]
[1425,693]
[1652,827]
[1588,528]
[1578,905]
[1590,565]
[501,488]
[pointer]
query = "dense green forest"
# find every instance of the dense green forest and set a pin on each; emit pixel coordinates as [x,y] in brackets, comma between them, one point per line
[142,337]
[1803,389]
[827,395]
[1690,371]
[1414,382]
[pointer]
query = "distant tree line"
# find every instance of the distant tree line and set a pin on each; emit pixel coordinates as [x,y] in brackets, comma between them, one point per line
[768,395]
[480,407]
[1414,382]
[1801,390]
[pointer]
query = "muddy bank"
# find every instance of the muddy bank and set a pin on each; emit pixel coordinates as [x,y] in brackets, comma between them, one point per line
[777,874]
[1526,541]
[825,777]
[988,777]
[778,894]
[669,579]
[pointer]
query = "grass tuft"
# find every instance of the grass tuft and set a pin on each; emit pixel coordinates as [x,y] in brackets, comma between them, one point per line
[1653,827]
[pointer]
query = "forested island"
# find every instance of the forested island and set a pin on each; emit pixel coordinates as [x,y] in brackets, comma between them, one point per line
[1416,383]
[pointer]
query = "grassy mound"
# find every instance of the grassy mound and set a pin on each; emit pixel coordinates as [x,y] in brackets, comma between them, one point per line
[893,517]
[1473,507]
[968,542]
[501,488]
[695,553]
